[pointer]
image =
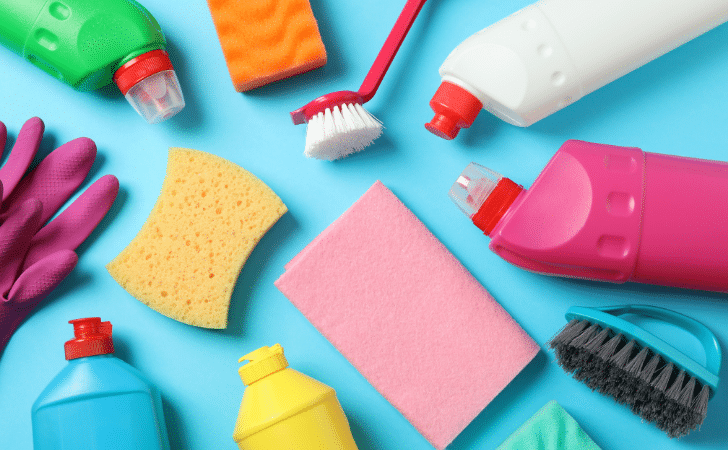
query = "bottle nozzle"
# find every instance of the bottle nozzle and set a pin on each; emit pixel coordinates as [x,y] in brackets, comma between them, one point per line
[455,108]
[150,84]
[261,363]
[483,195]
[473,187]
[91,337]
[463,181]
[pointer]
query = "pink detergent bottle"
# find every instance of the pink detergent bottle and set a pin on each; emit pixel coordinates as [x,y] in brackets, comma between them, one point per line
[608,213]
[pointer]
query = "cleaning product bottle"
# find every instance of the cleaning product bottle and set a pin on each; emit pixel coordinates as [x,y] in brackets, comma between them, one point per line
[89,43]
[552,53]
[98,401]
[283,408]
[608,213]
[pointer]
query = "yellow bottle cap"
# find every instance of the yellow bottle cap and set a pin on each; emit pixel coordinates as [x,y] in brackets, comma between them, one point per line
[261,363]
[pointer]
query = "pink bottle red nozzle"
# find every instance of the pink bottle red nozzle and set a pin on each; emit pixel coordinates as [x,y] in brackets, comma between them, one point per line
[92,337]
[150,84]
[484,195]
[455,108]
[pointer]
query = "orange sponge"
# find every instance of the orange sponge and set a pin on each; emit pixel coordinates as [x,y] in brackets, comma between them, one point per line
[267,40]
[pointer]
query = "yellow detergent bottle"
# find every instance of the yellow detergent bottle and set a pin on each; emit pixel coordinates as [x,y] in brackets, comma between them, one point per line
[284,409]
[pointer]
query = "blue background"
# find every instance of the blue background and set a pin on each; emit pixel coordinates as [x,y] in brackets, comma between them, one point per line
[674,105]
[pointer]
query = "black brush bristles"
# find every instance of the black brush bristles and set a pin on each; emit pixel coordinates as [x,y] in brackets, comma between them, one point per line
[633,375]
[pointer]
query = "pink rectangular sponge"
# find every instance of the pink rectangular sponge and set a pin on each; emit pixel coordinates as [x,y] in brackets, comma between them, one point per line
[407,314]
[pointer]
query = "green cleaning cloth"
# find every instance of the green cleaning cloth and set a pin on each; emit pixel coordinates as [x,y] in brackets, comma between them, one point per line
[551,428]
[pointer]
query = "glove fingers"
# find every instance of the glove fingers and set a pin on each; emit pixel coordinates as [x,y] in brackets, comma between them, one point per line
[22,154]
[16,235]
[3,138]
[38,280]
[75,223]
[56,178]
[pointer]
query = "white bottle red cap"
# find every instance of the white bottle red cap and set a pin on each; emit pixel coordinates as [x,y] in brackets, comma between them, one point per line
[150,85]
[455,108]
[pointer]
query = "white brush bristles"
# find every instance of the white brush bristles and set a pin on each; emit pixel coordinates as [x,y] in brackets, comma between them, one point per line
[339,132]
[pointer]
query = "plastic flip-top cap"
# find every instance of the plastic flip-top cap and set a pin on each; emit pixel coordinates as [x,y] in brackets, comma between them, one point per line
[141,67]
[261,363]
[151,86]
[455,108]
[484,195]
[92,337]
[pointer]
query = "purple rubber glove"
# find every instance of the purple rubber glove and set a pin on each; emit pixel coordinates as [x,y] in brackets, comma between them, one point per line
[35,258]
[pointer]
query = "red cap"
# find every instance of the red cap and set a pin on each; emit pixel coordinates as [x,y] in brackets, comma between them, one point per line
[141,67]
[454,108]
[496,205]
[93,337]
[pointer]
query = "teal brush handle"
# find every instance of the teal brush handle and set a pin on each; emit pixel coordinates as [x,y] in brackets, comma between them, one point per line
[608,317]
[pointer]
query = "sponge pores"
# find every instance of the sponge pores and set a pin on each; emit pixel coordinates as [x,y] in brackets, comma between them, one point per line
[186,258]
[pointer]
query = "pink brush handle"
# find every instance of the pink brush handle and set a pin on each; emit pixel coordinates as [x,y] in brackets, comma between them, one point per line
[384,59]
[374,78]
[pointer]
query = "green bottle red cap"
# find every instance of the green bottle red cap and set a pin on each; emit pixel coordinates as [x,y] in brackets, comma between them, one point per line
[150,85]
[140,68]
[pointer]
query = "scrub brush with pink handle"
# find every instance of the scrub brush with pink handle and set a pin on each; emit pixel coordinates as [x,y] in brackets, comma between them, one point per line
[338,124]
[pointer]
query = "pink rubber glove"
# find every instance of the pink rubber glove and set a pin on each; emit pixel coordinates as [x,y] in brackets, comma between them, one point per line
[35,258]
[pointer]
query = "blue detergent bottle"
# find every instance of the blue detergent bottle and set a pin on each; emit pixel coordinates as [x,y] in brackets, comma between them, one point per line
[98,402]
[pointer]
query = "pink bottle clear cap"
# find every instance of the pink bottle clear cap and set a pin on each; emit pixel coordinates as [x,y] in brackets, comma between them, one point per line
[473,187]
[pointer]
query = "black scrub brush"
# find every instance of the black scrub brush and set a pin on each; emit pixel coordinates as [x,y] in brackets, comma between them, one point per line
[617,358]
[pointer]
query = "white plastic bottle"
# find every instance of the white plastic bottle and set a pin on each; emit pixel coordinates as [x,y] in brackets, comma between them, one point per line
[550,54]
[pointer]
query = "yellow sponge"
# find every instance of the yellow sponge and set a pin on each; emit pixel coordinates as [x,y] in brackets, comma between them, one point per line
[187,257]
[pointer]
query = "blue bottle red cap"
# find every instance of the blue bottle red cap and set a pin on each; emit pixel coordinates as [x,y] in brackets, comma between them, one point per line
[92,337]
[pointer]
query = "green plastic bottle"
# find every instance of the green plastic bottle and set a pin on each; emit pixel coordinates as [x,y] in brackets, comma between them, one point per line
[90,43]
